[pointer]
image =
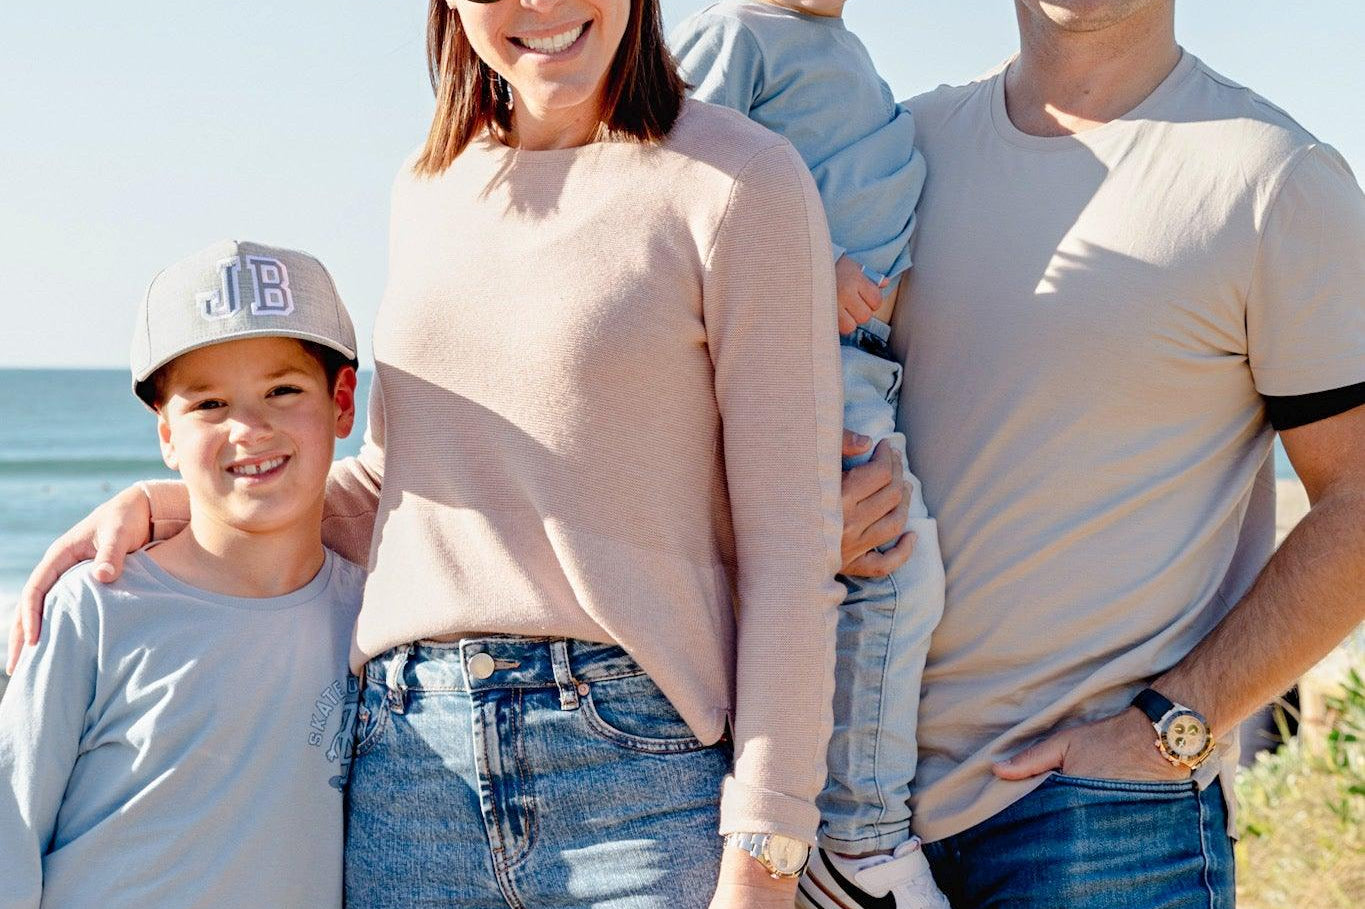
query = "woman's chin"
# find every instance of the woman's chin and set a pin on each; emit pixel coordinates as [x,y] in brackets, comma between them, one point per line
[561,100]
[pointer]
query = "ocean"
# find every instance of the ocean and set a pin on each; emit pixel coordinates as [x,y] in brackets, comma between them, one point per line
[71,438]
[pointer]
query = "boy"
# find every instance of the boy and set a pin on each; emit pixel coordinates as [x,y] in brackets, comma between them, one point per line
[792,66]
[181,737]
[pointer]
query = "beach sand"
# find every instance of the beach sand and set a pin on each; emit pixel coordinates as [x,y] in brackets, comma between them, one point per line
[1291,504]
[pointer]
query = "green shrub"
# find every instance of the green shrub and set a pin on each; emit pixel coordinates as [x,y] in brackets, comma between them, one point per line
[1302,817]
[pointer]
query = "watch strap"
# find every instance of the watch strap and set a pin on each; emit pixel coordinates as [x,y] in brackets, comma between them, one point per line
[1154,704]
[751,843]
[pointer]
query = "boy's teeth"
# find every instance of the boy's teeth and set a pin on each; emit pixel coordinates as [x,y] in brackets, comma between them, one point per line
[251,470]
[554,44]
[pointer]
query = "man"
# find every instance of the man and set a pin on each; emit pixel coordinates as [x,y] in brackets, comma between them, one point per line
[1129,272]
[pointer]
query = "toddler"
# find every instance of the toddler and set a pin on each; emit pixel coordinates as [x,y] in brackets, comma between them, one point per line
[792,66]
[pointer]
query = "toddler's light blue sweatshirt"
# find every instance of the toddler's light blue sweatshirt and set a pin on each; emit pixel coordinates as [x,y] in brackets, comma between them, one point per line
[809,79]
[170,747]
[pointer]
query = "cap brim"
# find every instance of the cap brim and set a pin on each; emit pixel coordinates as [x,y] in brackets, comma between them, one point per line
[330,343]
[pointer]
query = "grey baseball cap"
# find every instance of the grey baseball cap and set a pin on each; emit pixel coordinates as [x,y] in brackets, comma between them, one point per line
[233,290]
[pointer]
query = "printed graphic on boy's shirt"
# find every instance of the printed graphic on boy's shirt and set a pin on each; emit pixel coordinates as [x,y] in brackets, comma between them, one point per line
[333,723]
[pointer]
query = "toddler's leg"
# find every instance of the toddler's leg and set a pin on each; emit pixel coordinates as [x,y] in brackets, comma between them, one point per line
[883,638]
[868,855]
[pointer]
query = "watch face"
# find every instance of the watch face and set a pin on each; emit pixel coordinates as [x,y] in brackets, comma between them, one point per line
[786,854]
[1185,735]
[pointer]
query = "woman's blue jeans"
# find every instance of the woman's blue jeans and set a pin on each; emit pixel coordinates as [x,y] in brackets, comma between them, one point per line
[521,772]
[1080,843]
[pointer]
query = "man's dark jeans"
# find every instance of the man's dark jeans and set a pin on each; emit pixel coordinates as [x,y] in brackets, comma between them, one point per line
[1077,843]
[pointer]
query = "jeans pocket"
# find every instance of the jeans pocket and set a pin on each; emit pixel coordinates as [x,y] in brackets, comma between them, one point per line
[633,713]
[1135,787]
[372,714]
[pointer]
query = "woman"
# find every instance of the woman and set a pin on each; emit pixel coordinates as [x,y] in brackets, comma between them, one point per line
[600,493]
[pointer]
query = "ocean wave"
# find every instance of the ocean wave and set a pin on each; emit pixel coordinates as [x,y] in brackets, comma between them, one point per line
[79,467]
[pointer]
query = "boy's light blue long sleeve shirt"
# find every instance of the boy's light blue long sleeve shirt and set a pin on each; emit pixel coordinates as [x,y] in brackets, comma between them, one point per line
[168,747]
[809,79]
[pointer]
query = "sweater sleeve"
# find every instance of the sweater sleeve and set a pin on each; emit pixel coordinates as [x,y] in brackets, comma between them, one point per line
[720,60]
[352,497]
[42,720]
[771,329]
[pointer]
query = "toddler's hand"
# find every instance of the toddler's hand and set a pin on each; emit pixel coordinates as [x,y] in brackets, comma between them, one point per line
[859,297]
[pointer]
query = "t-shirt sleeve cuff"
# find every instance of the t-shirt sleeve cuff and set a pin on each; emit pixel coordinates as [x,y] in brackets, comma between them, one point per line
[749,809]
[168,503]
[1293,411]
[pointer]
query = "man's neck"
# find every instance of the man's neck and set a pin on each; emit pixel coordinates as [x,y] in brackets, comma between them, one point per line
[231,562]
[1065,82]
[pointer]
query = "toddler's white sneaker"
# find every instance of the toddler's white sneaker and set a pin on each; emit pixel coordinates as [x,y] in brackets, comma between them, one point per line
[901,880]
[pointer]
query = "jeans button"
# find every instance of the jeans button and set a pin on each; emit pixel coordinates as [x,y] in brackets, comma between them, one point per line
[481,666]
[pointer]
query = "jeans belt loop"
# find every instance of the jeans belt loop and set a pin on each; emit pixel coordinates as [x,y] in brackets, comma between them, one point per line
[568,688]
[394,679]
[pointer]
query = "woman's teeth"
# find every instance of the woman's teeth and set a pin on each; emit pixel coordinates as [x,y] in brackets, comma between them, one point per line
[251,470]
[554,44]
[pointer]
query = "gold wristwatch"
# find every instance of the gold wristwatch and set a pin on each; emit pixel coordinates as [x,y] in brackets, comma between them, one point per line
[1182,733]
[782,856]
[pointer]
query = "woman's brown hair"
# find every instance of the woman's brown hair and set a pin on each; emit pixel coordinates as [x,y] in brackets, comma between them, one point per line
[644,92]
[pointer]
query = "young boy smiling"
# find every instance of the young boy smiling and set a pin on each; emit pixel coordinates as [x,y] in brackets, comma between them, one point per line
[181,736]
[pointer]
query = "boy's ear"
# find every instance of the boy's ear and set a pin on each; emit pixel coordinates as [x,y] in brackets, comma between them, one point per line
[343,401]
[163,434]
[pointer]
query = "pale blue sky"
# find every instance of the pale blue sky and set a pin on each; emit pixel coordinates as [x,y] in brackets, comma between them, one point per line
[134,133]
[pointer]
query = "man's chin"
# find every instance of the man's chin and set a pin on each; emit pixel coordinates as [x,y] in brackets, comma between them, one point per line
[1081,16]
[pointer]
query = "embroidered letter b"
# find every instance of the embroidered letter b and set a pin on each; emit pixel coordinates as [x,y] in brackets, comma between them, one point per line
[270,280]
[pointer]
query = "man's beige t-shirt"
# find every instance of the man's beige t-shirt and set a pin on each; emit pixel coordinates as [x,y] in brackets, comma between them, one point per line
[1088,331]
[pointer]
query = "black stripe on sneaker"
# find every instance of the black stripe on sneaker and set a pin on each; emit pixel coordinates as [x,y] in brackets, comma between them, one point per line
[805,892]
[818,895]
[860,896]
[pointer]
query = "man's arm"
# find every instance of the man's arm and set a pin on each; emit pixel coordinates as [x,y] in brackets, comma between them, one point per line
[1309,597]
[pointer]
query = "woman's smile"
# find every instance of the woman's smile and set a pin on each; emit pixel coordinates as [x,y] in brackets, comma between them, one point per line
[555,43]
